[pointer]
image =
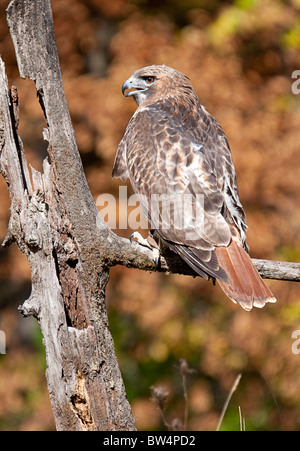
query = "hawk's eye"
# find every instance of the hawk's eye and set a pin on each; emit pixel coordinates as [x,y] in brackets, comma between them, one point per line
[149,79]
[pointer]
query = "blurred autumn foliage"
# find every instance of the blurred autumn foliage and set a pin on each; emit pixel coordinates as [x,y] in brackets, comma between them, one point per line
[239,56]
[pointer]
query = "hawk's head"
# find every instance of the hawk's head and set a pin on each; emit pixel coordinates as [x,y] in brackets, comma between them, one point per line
[158,81]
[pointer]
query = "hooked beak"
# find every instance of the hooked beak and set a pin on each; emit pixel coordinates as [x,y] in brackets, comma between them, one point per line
[129,84]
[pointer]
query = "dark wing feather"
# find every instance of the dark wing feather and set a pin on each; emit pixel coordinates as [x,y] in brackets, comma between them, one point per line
[202,262]
[120,167]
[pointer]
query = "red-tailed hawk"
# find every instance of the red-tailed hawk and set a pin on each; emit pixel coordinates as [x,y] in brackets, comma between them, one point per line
[179,163]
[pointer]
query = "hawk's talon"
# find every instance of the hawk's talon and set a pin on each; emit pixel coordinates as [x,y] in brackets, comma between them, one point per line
[139,239]
[136,236]
[156,255]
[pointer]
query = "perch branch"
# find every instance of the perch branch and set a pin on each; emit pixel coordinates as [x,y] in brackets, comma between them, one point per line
[133,255]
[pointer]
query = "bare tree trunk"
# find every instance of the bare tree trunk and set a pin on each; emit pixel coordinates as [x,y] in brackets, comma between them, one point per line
[55,222]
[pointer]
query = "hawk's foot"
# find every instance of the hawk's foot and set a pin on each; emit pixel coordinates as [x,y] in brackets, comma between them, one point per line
[136,236]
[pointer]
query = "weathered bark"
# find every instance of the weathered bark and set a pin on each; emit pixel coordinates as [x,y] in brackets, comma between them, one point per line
[55,222]
[277,270]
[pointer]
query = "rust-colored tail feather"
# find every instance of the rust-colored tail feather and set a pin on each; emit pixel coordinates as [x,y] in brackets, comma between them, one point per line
[244,286]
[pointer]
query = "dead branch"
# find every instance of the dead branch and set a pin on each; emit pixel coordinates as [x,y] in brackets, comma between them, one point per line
[133,255]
